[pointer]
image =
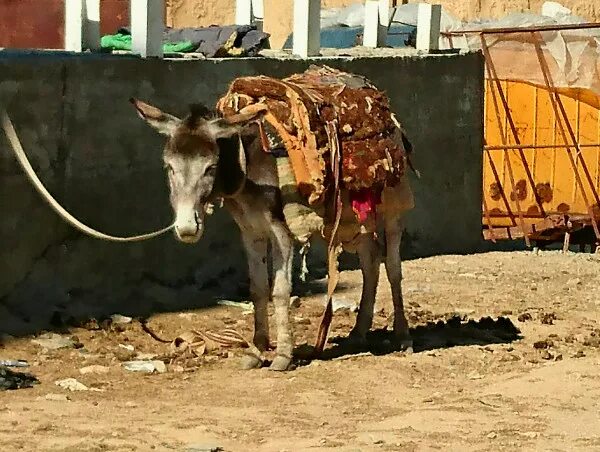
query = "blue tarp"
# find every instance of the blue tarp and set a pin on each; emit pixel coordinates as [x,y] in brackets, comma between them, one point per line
[345,37]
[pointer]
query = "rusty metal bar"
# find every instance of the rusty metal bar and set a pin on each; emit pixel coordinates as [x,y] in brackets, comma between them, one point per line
[501,188]
[534,28]
[503,133]
[492,74]
[534,146]
[558,105]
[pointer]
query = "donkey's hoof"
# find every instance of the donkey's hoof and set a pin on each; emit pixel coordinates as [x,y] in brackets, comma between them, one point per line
[250,362]
[403,344]
[281,363]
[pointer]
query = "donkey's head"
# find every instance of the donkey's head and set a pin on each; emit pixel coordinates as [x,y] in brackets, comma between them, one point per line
[204,158]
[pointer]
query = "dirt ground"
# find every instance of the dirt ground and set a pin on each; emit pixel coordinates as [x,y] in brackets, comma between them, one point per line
[525,377]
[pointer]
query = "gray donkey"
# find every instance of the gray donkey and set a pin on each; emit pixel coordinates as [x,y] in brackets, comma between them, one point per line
[209,158]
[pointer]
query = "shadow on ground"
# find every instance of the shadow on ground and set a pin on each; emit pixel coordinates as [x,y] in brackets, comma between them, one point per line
[443,334]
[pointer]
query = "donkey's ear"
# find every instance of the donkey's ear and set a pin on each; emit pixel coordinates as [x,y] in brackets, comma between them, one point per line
[231,125]
[163,122]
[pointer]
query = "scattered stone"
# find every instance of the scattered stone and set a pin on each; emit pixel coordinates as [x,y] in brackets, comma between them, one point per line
[341,304]
[124,354]
[70,384]
[558,357]
[295,302]
[145,356]
[492,435]
[56,397]
[52,341]
[544,344]
[95,369]
[203,448]
[546,355]
[177,368]
[531,435]
[128,347]
[10,379]
[579,354]
[301,320]
[146,366]
[246,306]
[506,312]
[119,319]
[574,282]
[547,318]
[525,317]
[474,376]
[13,363]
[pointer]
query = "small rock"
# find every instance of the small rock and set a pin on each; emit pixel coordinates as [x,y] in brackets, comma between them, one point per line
[145,366]
[131,404]
[57,397]
[574,282]
[177,368]
[127,347]
[579,354]
[301,320]
[474,376]
[341,304]
[506,312]
[295,302]
[544,344]
[234,304]
[119,319]
[546,355]
[492,435]
[203,448]
[53,341]
[558,357]
[526,316]
[70,384]
[145,356]
[531,435]
[95,369]
[548,318]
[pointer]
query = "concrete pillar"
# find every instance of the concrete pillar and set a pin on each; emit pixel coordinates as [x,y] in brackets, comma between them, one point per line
[428,27]
[147,27]
[82,25]
[377,20]
[307,28]
[243,12]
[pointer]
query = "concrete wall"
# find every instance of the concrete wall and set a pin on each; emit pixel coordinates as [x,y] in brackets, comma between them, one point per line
[104,165]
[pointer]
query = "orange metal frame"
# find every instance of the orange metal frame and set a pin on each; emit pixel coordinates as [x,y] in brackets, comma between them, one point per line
[523,225]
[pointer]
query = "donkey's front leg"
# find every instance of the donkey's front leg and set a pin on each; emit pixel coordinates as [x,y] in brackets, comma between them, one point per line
[256,250]
[283,248]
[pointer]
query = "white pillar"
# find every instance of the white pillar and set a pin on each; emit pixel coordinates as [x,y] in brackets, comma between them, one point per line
[82,25]
[428,27]
[377,20]
[243,12]
[147,27]
[307,28]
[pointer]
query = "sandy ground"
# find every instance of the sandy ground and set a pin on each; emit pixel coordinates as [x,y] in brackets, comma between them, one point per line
[529,381]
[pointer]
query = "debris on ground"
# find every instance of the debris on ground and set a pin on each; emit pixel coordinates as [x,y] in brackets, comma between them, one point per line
[525,317]
[119,319]
[547,318]
[55,397]
[71,384]
[246,305]
[13,363]
[53,341]
[95,369]
[146,366]
[10,379]
[341,304]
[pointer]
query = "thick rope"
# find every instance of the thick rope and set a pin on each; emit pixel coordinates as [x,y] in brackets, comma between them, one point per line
[17,148]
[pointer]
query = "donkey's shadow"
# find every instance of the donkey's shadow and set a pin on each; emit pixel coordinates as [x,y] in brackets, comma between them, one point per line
[443,334]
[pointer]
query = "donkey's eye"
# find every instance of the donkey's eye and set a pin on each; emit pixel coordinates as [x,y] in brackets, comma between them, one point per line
[169,168]
[211,170]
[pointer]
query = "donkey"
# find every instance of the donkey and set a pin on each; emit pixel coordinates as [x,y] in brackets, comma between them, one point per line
[208,158]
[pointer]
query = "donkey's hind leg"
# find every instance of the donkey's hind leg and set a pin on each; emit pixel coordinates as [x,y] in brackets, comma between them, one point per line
[368,253]
[394,225]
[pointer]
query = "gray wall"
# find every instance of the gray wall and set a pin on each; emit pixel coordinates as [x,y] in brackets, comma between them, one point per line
[104,165]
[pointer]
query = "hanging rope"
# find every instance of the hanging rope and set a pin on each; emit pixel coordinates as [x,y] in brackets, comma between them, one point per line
[17,148]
